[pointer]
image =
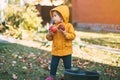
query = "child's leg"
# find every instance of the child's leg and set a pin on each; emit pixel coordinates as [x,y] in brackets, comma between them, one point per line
[54,65]
[67,61]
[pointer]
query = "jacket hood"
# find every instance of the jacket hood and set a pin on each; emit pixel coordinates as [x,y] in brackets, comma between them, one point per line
[63,10]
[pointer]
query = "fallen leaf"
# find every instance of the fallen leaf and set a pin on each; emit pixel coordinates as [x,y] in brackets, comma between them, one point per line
[32,55]
[44,66]
[24,67]
[14,76]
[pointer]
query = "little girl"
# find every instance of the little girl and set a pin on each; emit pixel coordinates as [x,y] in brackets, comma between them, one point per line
[61,39]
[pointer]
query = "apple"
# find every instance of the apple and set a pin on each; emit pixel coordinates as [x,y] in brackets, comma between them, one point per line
[61,27]
[53,29]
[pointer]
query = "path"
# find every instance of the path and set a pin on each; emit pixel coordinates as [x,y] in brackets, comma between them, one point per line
[6,39]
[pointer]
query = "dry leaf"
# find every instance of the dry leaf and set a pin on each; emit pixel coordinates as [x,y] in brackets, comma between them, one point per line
[44,66]
[32,55]
[24,67]
[14,76]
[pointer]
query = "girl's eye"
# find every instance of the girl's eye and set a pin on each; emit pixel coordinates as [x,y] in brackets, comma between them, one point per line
[54,15]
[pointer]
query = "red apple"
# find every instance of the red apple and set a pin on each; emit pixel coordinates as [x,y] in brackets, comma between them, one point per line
[53,29]
[61,27]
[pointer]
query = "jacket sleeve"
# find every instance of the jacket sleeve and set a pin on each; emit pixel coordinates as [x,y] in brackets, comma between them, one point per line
[49,37]
[70,34]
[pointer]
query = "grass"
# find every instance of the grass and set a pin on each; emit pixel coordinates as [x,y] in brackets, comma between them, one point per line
[21,62]
[106,63]
[101,38]
[18,62]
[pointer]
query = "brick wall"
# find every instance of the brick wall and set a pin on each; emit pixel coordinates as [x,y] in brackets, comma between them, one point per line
[96,11]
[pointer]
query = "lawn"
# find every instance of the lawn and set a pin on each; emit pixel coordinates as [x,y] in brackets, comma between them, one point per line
[101,38]
[18,62]
[21,62]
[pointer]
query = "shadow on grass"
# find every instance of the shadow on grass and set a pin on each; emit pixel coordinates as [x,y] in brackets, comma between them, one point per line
[107,72]
[18,62]
[22,63]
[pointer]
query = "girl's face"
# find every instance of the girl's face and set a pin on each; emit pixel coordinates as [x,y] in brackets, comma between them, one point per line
[56,18]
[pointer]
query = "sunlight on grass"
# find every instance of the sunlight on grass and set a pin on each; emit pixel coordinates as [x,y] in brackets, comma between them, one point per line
[99,56]
[100,38]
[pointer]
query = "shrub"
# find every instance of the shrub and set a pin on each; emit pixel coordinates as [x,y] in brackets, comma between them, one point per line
[21,19]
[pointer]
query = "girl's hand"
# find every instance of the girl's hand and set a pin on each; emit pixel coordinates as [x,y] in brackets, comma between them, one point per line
[51,33]
[63,31]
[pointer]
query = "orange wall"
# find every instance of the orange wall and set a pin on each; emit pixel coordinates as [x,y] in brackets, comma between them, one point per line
[96,11]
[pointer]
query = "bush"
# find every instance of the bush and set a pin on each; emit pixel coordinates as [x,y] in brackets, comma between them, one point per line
[21,19]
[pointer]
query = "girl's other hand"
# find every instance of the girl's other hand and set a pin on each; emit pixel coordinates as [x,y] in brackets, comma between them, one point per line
[63,31]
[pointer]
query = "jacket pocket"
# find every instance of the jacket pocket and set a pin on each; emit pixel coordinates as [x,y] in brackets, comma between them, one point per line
[58,46]
[68,44]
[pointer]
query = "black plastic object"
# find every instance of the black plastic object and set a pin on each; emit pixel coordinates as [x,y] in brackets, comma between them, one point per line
[79,74]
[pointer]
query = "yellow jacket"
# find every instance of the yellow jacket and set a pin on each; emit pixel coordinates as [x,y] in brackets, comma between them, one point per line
[62,45]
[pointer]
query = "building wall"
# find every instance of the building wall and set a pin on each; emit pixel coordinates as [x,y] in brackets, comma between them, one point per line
[96,11]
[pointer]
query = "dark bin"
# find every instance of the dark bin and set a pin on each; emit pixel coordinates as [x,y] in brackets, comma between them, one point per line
[79,74]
